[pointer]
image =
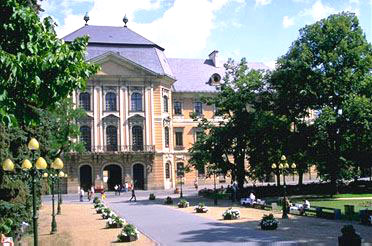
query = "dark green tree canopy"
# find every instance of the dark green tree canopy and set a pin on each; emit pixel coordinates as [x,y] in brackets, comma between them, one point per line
[37,69]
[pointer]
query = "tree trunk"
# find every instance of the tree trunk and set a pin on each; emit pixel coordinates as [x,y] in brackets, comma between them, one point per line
[300,177]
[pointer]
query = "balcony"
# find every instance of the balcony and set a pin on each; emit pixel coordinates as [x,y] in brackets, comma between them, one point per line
[123,148]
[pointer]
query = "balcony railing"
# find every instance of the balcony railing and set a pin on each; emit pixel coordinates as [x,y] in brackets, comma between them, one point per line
[123,148]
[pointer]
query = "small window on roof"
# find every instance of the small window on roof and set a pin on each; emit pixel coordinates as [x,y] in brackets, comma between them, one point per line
[214,79]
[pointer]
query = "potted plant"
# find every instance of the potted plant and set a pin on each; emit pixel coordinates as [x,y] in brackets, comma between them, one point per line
[201,208]
[268,222]
[100,208]
[128,234]
[231,214]
[96,200]
[183,203]
[115,222]
[168,200]
[152,196]
[107,213]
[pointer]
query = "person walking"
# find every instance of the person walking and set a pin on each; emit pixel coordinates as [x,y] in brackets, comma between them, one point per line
[133,195]
[126,186]
[116,189]
[81,195]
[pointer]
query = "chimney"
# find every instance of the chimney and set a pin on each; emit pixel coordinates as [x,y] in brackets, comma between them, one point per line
[214,57]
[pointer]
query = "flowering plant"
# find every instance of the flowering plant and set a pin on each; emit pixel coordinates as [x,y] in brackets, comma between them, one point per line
[201,208]
[152,196]
[268,222]
[115,222]
[231,214]
[168,200]
[183,203]
[128,233]
[96,200]
[107,213]
[100,208]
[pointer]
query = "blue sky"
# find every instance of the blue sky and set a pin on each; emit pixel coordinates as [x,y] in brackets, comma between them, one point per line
[260,30]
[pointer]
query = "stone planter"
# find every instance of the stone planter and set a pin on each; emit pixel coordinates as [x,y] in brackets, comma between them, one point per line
[183,205]
[128,238]
[230,217]
[201,210]
[273,226]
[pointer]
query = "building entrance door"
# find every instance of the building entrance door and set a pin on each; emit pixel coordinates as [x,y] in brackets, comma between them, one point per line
[139,176]
[114,176]
[85,177]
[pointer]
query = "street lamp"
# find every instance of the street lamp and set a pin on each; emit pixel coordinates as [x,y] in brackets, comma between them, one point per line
[283,167]
[57,164]
[8,165]
[59,192]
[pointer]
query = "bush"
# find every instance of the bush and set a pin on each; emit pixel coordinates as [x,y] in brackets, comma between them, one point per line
[152,196]
[268,222]
[115,222]
[128,234]
[183,203]
[231,214]
[201,208]
[168,200]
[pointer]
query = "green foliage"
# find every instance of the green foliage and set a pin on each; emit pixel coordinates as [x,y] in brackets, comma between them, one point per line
[327,70]
[6,226]
[36,68]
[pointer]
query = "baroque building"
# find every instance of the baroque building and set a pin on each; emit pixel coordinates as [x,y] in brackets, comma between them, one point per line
[139,127]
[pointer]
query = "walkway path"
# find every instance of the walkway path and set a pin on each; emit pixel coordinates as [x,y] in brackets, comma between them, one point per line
[167,226]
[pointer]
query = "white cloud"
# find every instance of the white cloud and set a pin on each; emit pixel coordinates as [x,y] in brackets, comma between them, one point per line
[183,29]
[318,11]
[287,22]
[262,2]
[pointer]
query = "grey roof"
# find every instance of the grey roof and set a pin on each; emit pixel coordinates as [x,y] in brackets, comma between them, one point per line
[192,75]
[124,42]
[110,35]
[148,57]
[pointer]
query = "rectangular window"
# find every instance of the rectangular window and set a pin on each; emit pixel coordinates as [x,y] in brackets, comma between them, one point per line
[166,137]
[198,108]
[179,138]
[177,108]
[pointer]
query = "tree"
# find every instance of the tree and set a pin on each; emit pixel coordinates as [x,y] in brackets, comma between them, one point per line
[327,70]
[36,68]
[225,146]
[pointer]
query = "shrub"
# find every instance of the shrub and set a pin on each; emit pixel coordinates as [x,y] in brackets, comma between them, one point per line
[201,208]
[128,234]
[231,214]
[168,200]
[115,222]
[152,196]
[183,203]
[268,222]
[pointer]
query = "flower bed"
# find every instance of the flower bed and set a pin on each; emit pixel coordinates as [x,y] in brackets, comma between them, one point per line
[268,222]
[168,200]
[231,214]
[128,234]
[183,203]
[201,208]
[115,222]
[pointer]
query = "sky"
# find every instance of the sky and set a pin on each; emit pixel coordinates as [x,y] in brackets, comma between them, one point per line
[259,30]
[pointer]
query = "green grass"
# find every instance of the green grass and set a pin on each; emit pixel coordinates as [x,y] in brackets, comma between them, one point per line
[352,195]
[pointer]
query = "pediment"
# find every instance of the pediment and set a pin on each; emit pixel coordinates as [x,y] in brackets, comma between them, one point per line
[116,65]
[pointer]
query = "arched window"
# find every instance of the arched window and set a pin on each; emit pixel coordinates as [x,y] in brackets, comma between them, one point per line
[166,137]
[167,170]
[86,137]
[84,101]
[136,102]
[112,138]
[165,103]
[137,138]
[110,101]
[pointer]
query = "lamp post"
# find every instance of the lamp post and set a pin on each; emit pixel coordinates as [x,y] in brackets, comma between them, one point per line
[56,165]
[215,189]
[59,192]
[8,165]
[283,167]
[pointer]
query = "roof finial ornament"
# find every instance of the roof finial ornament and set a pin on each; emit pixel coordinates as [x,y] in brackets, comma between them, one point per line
[125,20]
[86,18]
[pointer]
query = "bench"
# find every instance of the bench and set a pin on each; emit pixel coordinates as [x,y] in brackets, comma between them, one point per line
[328,213]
